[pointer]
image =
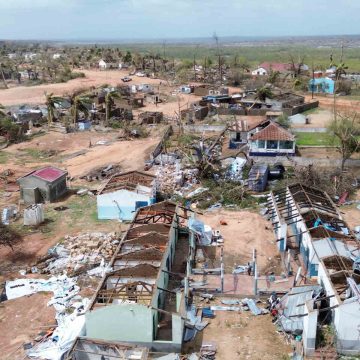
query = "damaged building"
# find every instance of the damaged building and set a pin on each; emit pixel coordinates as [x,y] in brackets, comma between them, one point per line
[144,299]
[124,193]
[151,117]
[308,227]
[92,349]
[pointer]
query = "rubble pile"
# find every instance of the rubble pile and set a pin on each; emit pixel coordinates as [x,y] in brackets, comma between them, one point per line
[79,253]
[87,244]
[169,178]
[101,173]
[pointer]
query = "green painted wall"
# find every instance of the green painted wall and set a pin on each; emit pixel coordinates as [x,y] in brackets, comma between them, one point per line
[124,322]
[177,329]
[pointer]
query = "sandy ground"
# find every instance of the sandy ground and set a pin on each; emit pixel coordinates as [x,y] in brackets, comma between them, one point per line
[36,94]
[342,104]
[244,232]
[244,336]
[319,119]
[350,212]
[130,153]
[26,313]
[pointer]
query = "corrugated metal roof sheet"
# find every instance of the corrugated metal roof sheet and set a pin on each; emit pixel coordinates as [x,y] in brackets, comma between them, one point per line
[297,295]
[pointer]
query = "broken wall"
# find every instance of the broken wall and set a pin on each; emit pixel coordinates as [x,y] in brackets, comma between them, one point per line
[123,322]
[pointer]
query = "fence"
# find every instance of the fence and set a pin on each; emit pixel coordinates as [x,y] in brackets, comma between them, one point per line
[305,161]
[301,108]
[160,145]
[203,128]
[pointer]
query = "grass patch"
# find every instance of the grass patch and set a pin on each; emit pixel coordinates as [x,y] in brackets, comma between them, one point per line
[312,111]
[38,154]
[82,210]
[3,157]
[315,139]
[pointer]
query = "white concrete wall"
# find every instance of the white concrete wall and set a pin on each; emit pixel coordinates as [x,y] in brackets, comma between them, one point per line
[325,281]
[347,325]
[310,328]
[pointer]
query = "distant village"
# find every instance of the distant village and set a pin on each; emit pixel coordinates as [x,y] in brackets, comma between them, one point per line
[157,208]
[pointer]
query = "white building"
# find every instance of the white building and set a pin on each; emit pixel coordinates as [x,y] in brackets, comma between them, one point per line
[307,222]
[108,63]
[57,56]
[124,193]
[30,56]
[260,71]
[270,139]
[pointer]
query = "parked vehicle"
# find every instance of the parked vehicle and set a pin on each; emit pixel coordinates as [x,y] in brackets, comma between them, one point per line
[126,79]
[140,74]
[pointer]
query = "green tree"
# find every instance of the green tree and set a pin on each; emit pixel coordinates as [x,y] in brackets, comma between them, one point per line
[284,121]
[2,111]
[79,104]
[3,76]
[346,128]
[10,130]
[274,77]
[128,57]
[263,93]
[109,100]
[51,102]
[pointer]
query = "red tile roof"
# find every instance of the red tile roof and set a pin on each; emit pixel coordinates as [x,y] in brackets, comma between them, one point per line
[281,67]
[273,132]
[48,173]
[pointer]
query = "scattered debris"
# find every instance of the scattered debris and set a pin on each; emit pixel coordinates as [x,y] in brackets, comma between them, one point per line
[79,254]
[101,173]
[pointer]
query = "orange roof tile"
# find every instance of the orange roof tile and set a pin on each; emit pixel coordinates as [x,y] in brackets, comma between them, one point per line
[273,132]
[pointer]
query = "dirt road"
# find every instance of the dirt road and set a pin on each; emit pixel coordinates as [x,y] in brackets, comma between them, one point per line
[36,94]
[342,103]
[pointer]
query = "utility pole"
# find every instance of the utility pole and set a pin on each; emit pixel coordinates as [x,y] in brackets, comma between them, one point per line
[222,269]
[313,81]
[194,68]
[255,273]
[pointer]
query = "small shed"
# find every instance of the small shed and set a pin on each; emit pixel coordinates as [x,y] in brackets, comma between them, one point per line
[258,177]
[46,184]
[298,119]
[151,117]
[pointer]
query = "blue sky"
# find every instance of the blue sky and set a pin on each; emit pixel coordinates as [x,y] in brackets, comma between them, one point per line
[161,19]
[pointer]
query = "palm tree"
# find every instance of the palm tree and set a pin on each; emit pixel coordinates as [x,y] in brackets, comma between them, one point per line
[3,76]
[51,102]
[78,104]
[109,99]
[2,111]
[263,93]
